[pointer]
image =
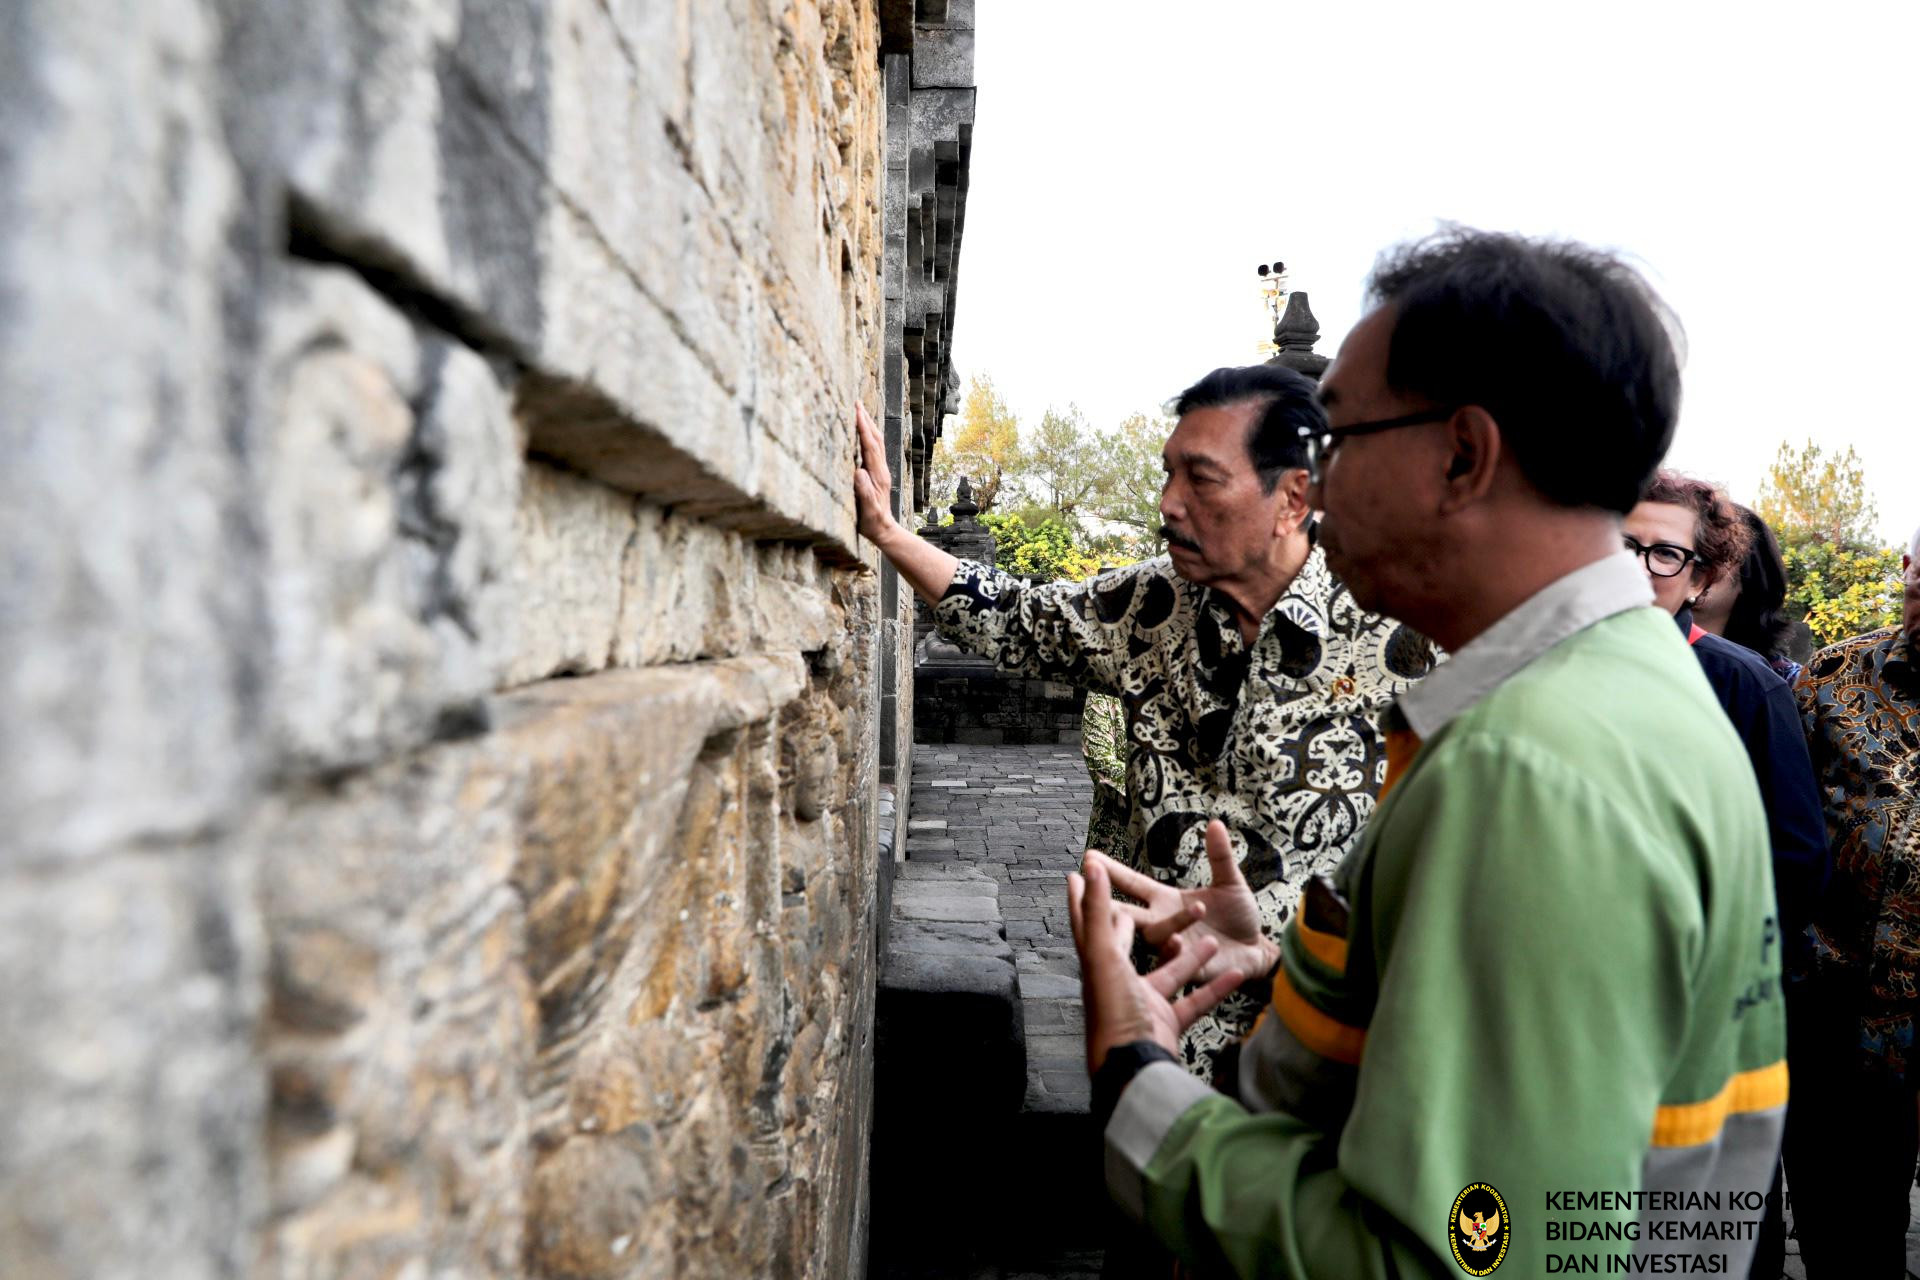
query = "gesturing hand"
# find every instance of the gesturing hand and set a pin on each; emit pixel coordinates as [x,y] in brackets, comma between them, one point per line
[1122,1006]
[1223,912]
[872,481]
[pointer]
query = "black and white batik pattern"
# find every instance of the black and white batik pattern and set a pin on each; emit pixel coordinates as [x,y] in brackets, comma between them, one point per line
[1281,741]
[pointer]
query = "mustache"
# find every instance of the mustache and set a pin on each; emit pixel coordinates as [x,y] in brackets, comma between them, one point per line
[1174,537]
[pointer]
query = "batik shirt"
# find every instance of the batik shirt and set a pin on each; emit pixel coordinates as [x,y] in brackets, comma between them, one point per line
[1861,701]
[1279,740]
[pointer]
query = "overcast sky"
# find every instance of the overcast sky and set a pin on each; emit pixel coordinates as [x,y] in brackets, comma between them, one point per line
[1134,162]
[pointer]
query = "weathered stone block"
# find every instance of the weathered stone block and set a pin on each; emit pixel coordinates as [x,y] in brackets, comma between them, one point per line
[926,890]
[131,1143]
[942,57]
[1048,986]
[933,870]
[565,936]
[938,116]
[690,236]
[611,118]
[979,910]
[691,593]
[949,938]
[409,132]
[633,406]
[390,472]
[572,540]
[129,613]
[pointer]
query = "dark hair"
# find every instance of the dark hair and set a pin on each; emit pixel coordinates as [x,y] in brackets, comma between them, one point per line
[1277,441]
[1758,618]
[1568,348]
[1720,537]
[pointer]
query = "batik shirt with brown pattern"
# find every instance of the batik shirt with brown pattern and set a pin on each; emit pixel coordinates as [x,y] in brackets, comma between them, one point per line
[1280,740]
[1861,702]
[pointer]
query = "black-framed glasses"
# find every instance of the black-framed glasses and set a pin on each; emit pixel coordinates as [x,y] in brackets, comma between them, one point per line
[1321,444]
[1663,559]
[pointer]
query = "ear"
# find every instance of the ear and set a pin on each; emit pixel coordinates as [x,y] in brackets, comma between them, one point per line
[1473,458]
[1293,510]
[1703,580]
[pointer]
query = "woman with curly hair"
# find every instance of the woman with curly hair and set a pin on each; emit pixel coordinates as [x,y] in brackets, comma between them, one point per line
[1749,606]
[1691,539]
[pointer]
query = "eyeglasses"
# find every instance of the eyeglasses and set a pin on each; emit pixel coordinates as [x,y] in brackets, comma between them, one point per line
[1321,444]
[1663,559]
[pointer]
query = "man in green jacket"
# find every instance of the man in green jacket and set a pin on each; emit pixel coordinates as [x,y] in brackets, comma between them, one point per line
[1534,1019]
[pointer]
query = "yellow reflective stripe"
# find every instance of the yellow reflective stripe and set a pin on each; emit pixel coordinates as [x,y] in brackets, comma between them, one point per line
[1691,1123]
[1329,949]
[1325,1035]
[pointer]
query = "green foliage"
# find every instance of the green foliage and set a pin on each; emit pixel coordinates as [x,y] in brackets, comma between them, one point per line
[1103,742]
[1838,580]
[1041,543]
[1842,591]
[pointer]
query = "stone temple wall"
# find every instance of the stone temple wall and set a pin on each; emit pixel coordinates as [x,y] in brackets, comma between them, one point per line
[444,704]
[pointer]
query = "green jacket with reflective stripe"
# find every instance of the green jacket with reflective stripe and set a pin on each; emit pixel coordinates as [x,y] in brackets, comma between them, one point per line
[1560,975]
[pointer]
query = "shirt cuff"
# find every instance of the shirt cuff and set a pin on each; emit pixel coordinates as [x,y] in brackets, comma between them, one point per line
[1158,1095]
[1123,1063]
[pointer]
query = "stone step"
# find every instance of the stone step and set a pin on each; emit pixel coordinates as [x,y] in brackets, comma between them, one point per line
[950,1064]
[927,869]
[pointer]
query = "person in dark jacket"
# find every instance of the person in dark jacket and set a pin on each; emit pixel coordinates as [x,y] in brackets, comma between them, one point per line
[1691,537]
[1749,606]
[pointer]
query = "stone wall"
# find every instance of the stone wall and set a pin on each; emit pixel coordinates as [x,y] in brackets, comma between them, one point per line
[443,700]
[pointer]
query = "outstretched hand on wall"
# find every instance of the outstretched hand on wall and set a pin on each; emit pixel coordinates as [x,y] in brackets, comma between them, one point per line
[926,567]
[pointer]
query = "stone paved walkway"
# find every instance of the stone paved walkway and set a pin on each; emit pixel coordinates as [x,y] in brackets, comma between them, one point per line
[1020,813]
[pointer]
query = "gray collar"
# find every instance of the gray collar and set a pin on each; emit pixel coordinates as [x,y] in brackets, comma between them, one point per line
[1599,590]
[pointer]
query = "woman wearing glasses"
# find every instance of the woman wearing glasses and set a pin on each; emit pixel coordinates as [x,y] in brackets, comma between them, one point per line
[1689,536]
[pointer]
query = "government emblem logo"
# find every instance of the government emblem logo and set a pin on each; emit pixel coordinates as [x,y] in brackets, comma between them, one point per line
[1480,1228]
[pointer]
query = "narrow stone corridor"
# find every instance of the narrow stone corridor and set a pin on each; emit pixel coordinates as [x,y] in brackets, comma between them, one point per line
[998,828]
[1019,814]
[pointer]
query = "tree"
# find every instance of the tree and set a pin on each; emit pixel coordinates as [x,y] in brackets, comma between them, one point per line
[1101,487]
[1130,495]
[1066,463]
[1808,493]
[1839,579]
[983,446]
